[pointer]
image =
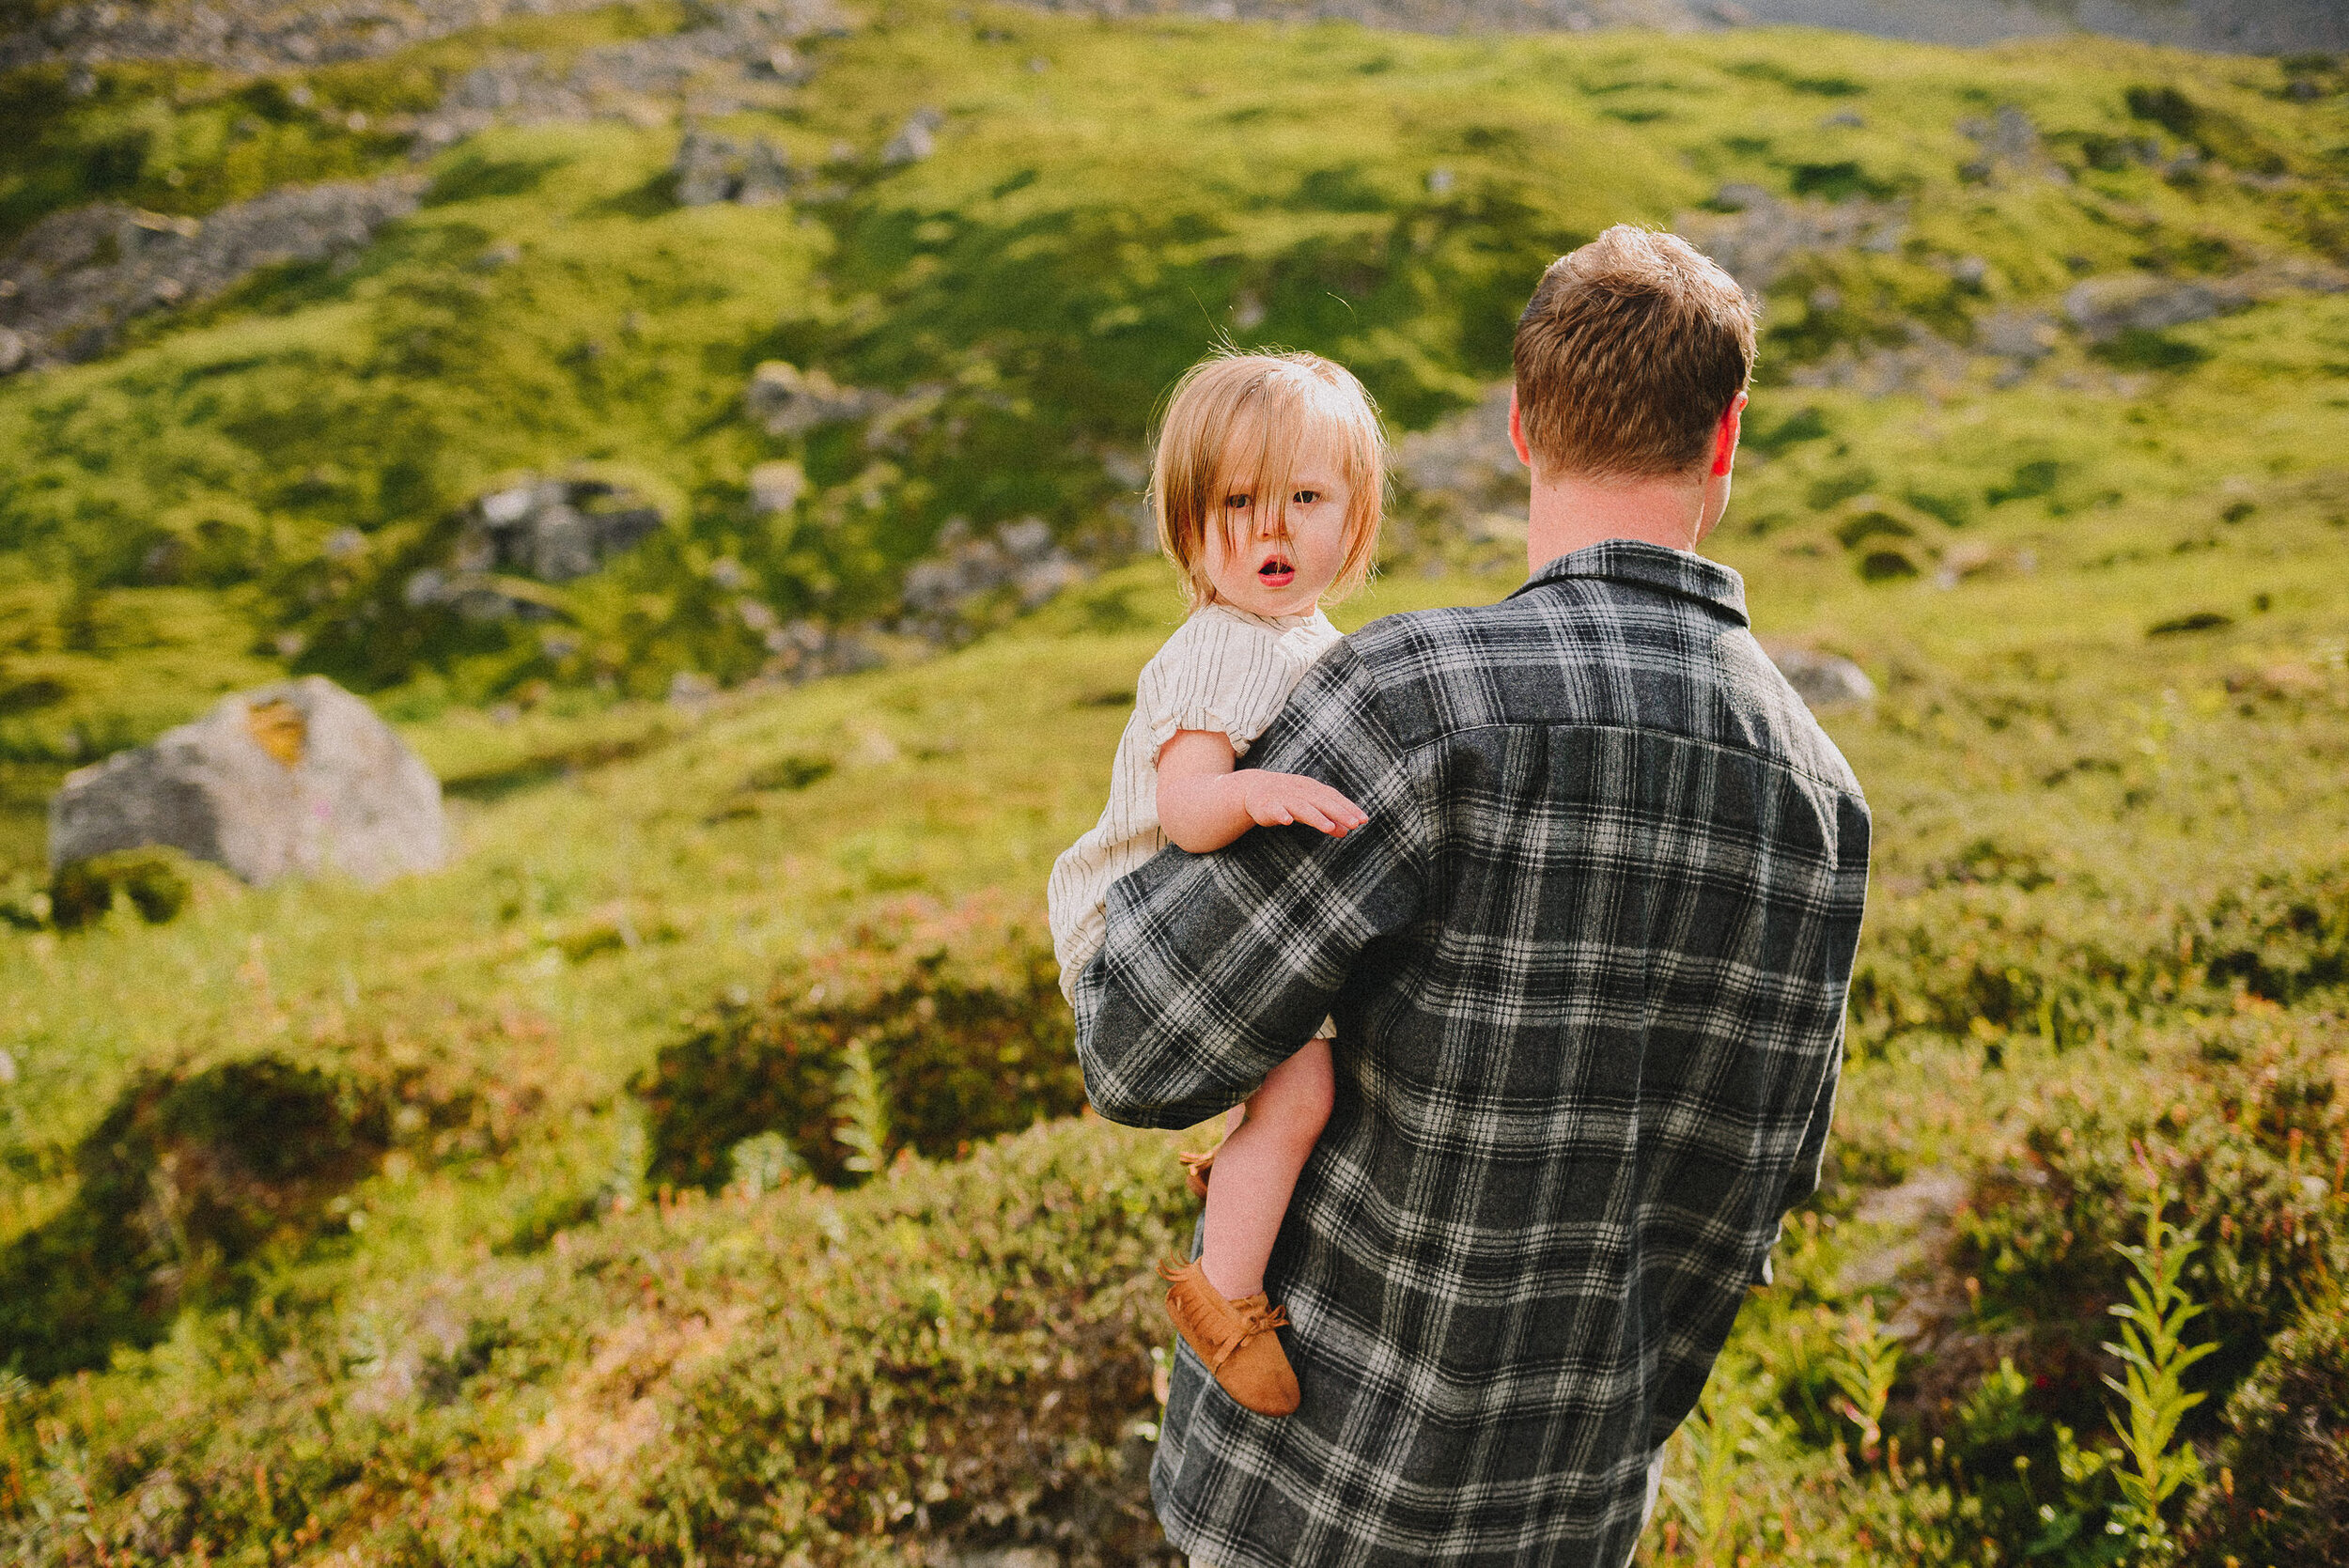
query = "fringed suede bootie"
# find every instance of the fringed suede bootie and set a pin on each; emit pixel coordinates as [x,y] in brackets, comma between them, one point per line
[1234,1339]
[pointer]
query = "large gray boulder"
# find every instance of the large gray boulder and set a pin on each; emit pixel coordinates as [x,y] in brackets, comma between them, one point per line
[293,779]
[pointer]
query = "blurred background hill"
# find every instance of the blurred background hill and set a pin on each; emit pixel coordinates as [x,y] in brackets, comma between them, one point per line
[714,435]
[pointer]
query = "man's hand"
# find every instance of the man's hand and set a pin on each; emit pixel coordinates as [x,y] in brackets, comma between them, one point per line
[1204,804]
[1277,800]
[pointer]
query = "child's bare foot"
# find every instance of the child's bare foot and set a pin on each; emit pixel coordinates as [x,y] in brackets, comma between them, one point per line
[1234,1339]
[1195,1169]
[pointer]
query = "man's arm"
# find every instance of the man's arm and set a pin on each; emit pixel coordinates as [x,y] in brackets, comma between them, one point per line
[1852,845]
[1219,967]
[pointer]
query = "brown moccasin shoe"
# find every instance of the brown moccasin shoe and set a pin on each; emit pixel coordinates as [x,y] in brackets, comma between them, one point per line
[1195,1169]
[1234,1339]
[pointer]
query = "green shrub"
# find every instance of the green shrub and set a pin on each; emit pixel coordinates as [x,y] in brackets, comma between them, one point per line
[24,902]
[951,1358]
[1979,953]
[153,880]
[2285,1496]
[2281,939]
[2242,1119]
[183,1179]
[960,1013]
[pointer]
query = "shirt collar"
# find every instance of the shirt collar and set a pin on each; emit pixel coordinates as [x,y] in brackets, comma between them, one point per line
[1681,573]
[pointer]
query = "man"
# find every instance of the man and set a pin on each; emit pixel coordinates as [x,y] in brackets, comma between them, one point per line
[1587,959]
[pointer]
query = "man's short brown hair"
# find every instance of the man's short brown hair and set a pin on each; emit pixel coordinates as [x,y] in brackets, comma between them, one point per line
[1630,353]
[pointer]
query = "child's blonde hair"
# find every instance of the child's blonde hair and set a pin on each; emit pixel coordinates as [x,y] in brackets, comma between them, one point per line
[1239,421]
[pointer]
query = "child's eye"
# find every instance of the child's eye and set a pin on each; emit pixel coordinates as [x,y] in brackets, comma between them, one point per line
[1305,498]
[1236,503]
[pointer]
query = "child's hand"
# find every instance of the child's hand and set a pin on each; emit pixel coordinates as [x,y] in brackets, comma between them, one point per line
[1276,799]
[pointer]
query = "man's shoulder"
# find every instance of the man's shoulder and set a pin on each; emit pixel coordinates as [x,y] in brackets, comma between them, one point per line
[1471,643]
[1584,654]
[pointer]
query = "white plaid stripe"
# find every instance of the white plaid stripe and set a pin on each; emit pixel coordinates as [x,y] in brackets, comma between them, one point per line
[1588,961]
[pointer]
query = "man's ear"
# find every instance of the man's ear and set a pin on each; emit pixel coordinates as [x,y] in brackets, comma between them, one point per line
[1517,431]
[1724,437]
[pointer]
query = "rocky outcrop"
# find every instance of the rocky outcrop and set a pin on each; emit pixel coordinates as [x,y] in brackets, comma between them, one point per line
[1755,236]
[2103,308]
[71,283]
[733,59]
[1020,562]
[538,531]
[2009,145]
[1458,482]
[295,779]
[254,37]
[709,168]
[786,400]
[1437,16]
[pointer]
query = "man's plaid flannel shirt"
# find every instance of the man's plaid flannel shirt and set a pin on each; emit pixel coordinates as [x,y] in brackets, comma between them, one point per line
[1588,962]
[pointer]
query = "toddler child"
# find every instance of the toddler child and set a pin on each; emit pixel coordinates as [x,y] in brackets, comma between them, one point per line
[1267,489]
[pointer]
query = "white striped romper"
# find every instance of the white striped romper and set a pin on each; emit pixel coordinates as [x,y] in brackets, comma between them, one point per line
[1223,670]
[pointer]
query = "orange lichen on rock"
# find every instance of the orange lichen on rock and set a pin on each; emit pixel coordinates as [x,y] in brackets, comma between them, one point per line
[279,728]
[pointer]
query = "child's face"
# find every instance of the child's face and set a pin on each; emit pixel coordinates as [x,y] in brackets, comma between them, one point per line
[1273,560]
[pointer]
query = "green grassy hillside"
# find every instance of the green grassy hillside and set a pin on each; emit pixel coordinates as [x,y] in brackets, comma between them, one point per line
[429,1223]
[1026,292]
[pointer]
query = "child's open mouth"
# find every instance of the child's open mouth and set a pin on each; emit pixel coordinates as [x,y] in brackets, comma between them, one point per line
[1276,573]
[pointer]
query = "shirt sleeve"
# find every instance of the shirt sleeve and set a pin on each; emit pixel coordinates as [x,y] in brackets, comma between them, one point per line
[1218,967]
[1853,838]
[1219,673]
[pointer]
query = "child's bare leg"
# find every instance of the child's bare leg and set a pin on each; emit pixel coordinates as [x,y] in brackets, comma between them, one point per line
[1257,1166]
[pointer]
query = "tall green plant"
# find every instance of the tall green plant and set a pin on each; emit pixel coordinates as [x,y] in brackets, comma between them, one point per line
[1701,1481]
[1863,1365]
[863,1115]
[2154,1356]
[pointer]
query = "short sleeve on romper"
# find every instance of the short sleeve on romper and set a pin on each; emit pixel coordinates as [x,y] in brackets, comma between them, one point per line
[1218,673]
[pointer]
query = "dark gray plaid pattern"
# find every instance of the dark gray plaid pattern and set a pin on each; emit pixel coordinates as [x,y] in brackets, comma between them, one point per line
[1588,962]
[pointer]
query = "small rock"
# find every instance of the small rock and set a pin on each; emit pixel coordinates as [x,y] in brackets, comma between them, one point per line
[776,487]
[915,140]
[14,351]
[766,175]
[2024,336]
[1822,679]
[703,169]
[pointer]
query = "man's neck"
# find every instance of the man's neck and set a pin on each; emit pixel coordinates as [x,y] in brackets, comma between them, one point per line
[1569,513]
